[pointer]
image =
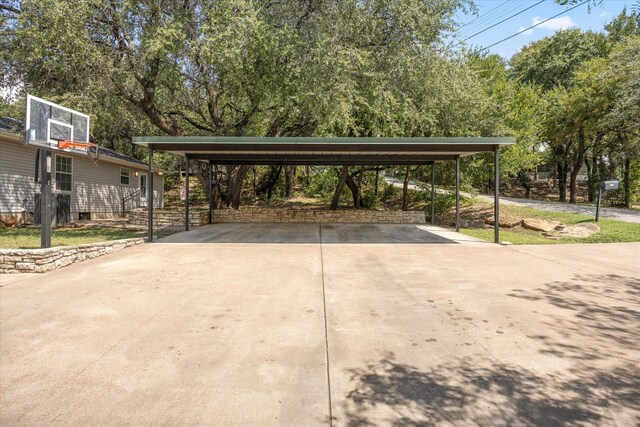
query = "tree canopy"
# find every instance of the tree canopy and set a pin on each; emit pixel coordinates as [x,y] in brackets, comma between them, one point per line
[317,67]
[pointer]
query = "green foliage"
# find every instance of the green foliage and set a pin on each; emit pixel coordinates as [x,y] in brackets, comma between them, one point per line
[371,200]
[322,183]
[347,68]
[389,192]
[552,61]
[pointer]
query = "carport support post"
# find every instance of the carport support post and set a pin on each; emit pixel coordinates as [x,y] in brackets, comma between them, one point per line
[458,193]
[496,200]
[150,196]
[210,190]
[433,193]
[186,195]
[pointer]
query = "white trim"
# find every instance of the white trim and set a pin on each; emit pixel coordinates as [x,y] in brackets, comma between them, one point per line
[57,122]
[27,123]
[53,104]
[128,175]
[55,171]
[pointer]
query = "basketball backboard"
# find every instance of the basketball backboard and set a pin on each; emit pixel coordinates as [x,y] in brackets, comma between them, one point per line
[54,127]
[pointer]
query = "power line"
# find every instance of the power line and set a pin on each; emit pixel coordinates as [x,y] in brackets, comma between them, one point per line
[485,15]
[504,20]
[492,19]
[533,26]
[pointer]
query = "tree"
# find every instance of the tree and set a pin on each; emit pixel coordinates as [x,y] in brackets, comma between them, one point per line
[623,117]
[552,61]
[244,67]
[552,64]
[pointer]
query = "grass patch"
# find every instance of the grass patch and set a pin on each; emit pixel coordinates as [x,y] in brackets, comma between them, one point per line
[29,238]
[611,231]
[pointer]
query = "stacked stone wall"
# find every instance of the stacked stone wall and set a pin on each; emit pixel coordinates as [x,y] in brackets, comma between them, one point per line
[250,215]
[43,260]
[168,217]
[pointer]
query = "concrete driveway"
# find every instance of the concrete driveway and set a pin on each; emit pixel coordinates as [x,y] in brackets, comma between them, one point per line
[297,324]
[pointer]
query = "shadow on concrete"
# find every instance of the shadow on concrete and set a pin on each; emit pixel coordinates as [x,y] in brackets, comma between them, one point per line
[471,392]
[297,233]
[604,316]
[385,233]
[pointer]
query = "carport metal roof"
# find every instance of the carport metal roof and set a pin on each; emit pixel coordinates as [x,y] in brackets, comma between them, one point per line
[380,151]
[321,151]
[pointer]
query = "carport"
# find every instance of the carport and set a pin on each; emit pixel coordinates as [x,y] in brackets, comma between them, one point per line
[378,151]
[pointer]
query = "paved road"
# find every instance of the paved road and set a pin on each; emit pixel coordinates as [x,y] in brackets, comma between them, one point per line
[301,324]
[626,215]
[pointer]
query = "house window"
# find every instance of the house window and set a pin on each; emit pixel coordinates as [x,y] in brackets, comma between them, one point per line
[143,186]
[124,176]
[63,173]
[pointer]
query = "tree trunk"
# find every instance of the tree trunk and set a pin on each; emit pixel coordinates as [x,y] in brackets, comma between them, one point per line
[289,174]
[269,183]
[375,188]
[254,181]
[344,172]
[235,177]
[355,189]
[591,181]
[405,188]
[627,183]
[579,160]
[562,181]
[359,201]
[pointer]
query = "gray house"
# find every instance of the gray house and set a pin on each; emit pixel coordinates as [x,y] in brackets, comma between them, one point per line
[95,190]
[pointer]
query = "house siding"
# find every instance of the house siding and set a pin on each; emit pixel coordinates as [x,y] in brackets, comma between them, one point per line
[95,188]
[17,167]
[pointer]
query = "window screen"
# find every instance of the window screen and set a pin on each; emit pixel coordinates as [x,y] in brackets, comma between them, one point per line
[125,175]
[63,173]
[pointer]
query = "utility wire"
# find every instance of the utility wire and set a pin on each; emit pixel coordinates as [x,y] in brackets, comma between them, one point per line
[492,19]
[533,26]
[484,15]
[504,20]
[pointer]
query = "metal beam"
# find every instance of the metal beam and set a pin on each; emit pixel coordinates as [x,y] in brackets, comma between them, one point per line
[326,149]
[496,200]
[186,196]
[150,196]
[320,159]
[433,193]
[210,190]
[458,193]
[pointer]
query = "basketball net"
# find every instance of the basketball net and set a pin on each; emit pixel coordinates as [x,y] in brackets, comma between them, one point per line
[84,146]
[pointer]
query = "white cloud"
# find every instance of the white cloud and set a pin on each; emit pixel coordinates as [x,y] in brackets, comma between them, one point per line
[526,33]
[604,14]
[555,24]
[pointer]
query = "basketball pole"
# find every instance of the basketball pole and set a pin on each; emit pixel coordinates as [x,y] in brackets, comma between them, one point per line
[45,198]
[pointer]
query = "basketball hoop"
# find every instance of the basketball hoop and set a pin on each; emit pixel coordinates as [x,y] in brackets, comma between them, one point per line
[80,147]
[53,127]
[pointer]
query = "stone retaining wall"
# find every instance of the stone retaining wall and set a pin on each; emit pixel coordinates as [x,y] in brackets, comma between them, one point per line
[167,217]
[319,215]
[42,260]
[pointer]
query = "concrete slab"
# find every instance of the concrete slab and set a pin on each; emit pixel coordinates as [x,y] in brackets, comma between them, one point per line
[471,335]
[168,334]
[226,325]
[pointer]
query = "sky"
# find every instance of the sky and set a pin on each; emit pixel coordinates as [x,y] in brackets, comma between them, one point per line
[491,12]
